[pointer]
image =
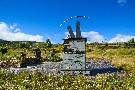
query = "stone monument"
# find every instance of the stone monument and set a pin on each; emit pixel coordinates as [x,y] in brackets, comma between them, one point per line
[74,55]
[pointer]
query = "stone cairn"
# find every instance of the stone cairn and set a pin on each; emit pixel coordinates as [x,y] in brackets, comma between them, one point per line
[74,56]
[31,61]
[38,54]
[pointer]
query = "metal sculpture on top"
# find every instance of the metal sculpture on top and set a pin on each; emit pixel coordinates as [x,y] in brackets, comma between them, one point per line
[78,32]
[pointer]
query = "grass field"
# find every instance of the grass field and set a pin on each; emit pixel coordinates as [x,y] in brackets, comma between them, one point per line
[122,58]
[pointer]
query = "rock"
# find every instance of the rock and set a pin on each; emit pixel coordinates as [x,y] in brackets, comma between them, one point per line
[93,68]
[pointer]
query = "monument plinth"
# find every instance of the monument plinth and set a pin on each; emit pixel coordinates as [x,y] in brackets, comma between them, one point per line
[74,55]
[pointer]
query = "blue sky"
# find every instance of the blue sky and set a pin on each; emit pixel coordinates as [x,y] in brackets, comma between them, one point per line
[110,19]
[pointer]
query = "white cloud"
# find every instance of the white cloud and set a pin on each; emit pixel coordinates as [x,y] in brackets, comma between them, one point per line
[121,38]
[122,2]
[17,30]
[12,33]
[92,36]
[12,27]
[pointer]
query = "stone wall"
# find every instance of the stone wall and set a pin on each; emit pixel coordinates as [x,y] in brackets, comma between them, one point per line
[74,55]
